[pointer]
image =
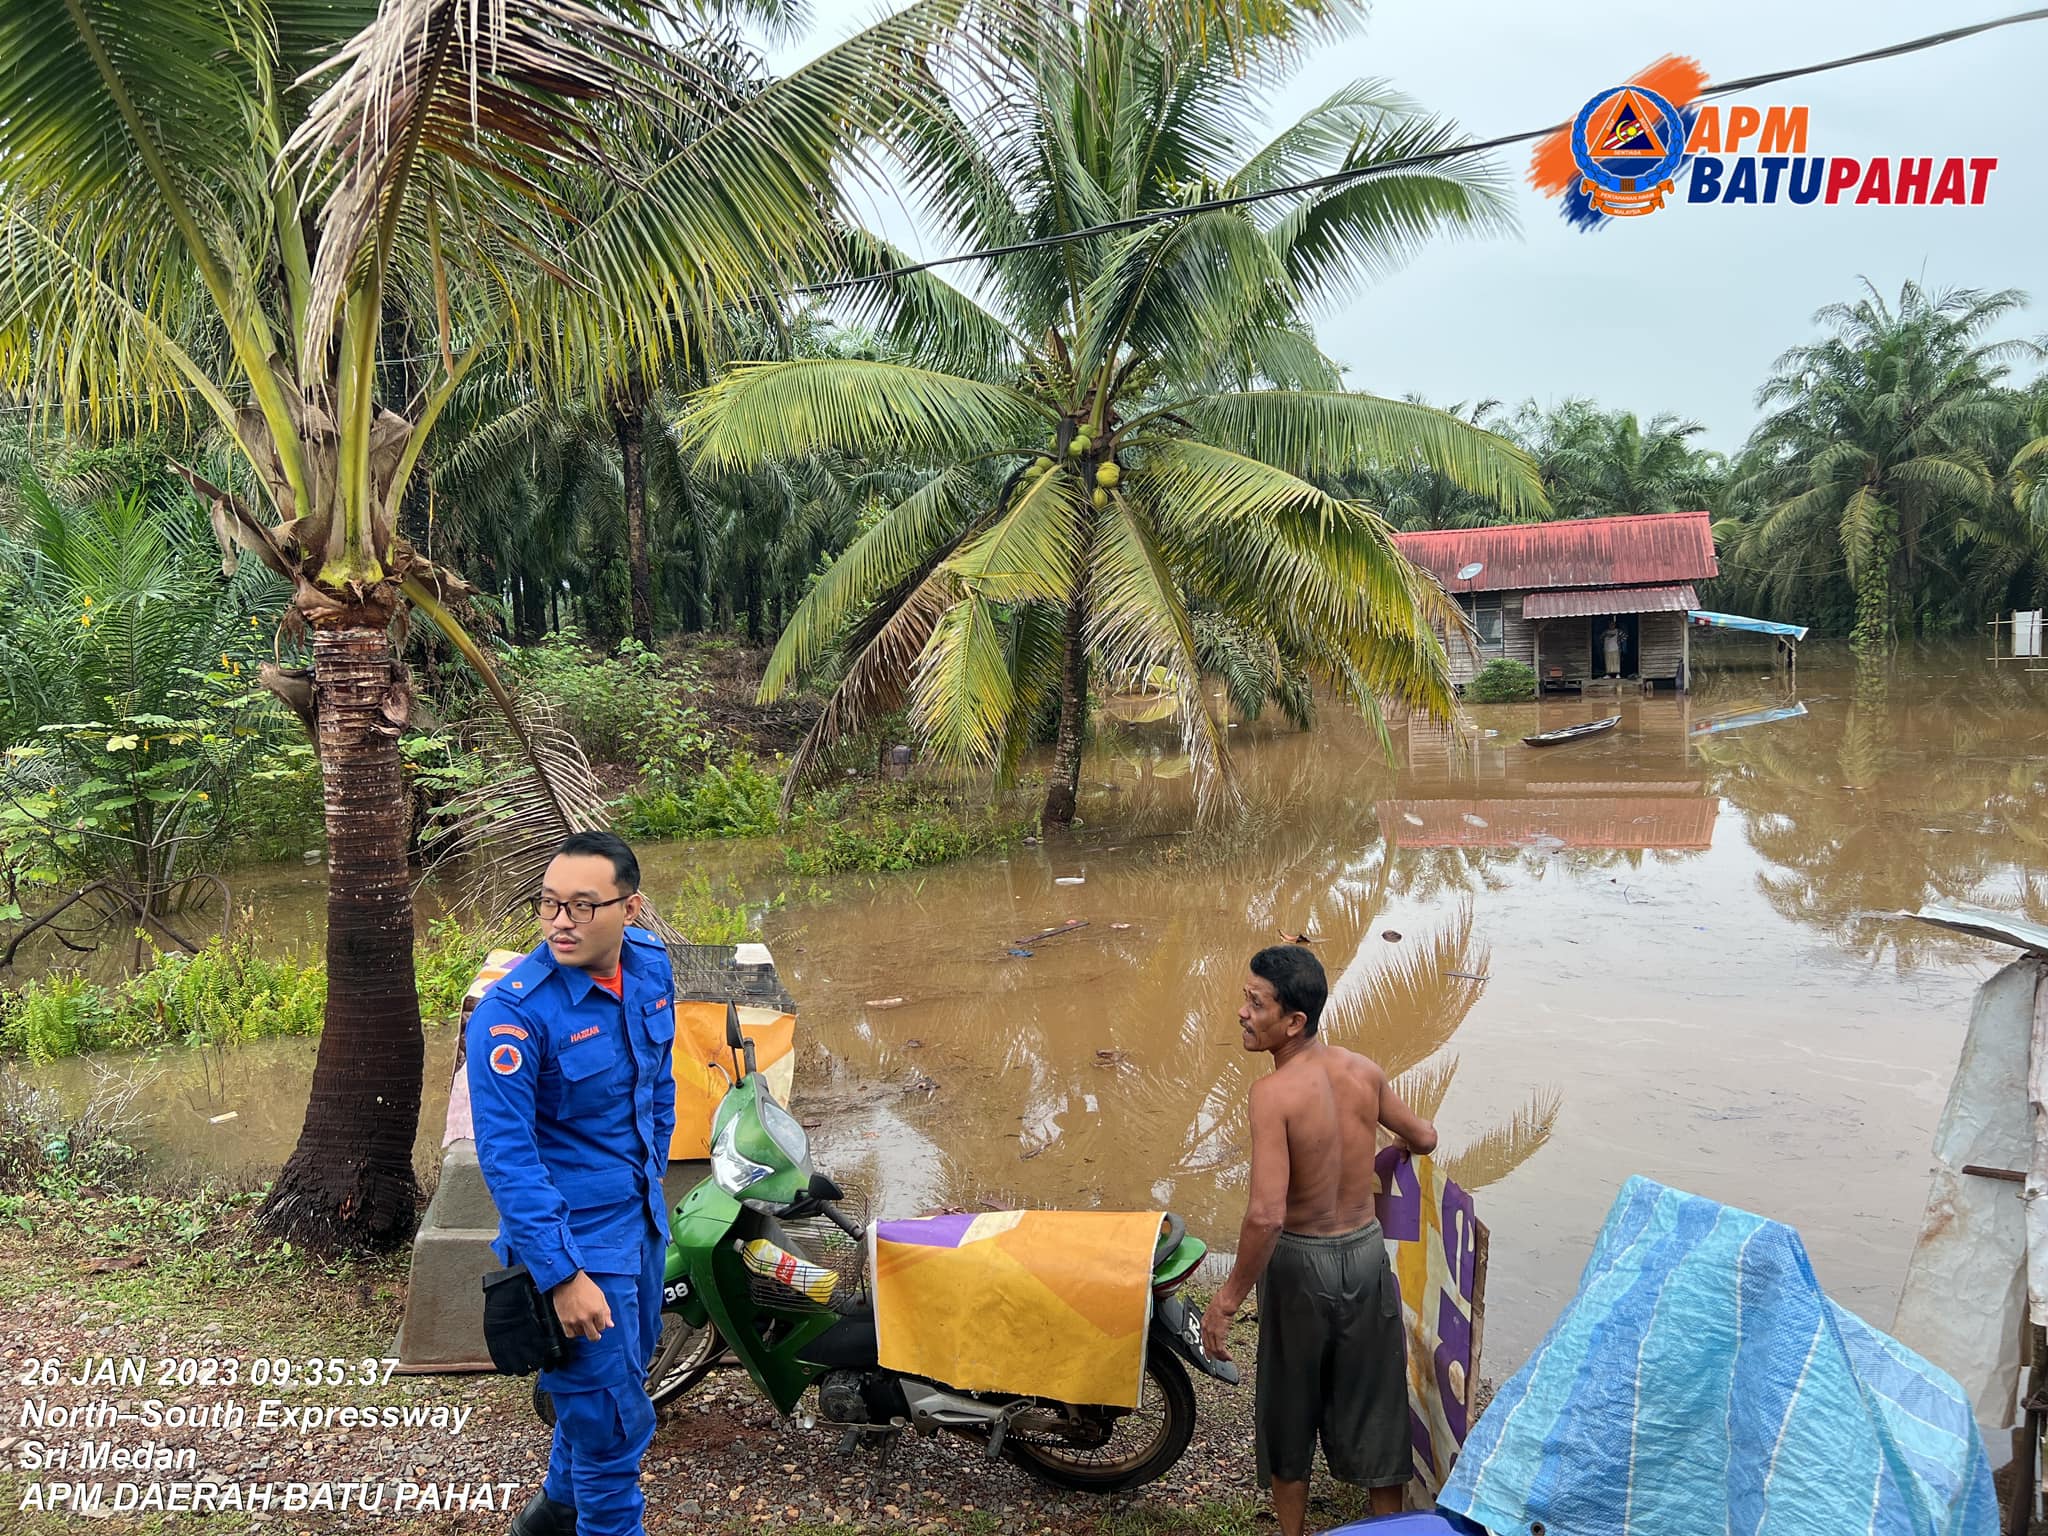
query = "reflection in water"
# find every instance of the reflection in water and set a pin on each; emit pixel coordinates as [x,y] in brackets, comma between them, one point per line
[1677,926]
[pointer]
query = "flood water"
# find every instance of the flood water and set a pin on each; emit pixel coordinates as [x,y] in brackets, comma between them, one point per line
[1671,945]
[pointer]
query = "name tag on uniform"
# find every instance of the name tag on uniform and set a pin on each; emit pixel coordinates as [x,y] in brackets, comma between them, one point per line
[583,1034]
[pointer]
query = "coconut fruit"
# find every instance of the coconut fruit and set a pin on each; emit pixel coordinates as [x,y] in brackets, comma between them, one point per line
[1040,466]
[1108,473]
[1078,446]
[1101,498]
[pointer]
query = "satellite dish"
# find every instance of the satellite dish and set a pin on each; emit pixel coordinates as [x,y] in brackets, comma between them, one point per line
[1467,572]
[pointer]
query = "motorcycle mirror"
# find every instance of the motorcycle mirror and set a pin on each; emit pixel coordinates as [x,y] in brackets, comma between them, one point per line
[736,1039]
[822,1188]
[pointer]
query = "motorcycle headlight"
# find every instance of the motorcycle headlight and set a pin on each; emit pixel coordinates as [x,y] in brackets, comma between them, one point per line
[785,1130]
[731,1168]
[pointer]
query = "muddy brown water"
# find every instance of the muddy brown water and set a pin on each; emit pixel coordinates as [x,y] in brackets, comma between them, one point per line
[1671,945]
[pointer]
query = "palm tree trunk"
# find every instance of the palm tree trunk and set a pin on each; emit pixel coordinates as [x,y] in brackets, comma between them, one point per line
[628,428]
[751,575]
[1063,789]
[350,1180]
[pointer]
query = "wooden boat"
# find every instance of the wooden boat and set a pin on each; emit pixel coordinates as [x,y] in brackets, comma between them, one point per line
[1571,732]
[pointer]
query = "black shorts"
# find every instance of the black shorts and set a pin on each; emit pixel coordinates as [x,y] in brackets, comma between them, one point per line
[1333,1361]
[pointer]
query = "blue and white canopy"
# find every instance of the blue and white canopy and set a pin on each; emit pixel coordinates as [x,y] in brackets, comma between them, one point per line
[1754,626]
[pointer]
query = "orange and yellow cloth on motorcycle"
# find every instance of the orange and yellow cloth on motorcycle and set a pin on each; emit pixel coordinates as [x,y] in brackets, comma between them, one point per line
[1040,1303]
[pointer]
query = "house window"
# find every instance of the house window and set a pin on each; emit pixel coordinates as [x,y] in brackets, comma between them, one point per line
[1485,612]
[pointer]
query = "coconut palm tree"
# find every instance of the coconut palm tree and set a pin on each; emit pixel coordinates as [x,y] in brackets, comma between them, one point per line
[1880,436]
[1135,426]
[218,208]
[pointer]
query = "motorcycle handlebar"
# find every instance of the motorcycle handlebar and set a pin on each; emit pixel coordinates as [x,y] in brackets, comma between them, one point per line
[842,1221]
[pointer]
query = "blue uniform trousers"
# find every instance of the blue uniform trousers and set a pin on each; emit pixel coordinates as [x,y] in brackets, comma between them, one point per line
[604,1421]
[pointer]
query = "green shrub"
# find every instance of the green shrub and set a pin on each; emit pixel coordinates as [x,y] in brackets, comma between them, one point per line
[1502,682]
[446,964]
[888,839]
[738,800]
[278,809]
[701,917]
[57,1017]
[628,708]
[224,995]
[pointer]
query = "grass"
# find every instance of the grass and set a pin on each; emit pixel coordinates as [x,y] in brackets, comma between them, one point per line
[891,830]
[227,994]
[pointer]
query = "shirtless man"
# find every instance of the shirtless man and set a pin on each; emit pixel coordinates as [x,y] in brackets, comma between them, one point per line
[1333,1356]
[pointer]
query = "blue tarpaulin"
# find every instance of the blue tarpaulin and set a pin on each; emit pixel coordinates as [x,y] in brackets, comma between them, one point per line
[1700,1384]
[1754,626]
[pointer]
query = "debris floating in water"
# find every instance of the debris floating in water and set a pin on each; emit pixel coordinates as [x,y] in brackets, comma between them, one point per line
[1119,927]
[885,1002]
[1391,935]
[1021,954]
[1054,932]
[1070,880]
[218,1119]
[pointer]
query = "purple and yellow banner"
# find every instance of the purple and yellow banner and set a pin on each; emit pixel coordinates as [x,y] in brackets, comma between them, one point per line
[1439,1256]
[1046,1303]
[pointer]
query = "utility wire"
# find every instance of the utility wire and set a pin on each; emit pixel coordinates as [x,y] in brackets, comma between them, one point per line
[1408,162]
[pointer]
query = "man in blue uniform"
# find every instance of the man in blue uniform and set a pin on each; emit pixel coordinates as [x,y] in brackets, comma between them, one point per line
[573,1091]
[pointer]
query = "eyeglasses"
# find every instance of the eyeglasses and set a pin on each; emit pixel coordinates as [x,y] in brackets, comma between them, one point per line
[546,908]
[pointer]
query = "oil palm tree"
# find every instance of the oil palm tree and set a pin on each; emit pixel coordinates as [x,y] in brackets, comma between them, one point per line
[1622,467]
[218,207]
[1135,426]
[1879,439]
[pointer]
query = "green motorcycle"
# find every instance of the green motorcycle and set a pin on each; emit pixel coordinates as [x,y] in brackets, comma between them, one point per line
[765,1269]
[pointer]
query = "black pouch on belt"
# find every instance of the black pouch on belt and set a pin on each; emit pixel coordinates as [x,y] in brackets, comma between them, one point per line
[520,1326]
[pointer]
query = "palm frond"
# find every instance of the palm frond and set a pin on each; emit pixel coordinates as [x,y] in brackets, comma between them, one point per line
[1422,1088]
[1405,1008]
[1498,1152]
[877,677]
[760,411]
[1032,552]
[963,694]
[1373,226]
[930,519]
[537,789]
[936,324]
[1137,623]
[1333,434]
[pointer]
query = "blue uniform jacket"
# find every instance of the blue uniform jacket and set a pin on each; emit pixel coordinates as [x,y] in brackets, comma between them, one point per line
[574,1101]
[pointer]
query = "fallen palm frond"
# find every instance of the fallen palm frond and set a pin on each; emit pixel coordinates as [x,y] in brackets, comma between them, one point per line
[537,788]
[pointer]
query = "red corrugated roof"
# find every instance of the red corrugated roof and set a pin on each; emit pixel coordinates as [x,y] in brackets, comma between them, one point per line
[1575,602]
[1580,552]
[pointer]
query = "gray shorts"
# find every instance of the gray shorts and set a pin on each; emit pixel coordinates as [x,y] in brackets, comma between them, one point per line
[1333,1361]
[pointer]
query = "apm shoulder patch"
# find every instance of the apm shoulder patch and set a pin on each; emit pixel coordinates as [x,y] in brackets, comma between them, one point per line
[505,1059]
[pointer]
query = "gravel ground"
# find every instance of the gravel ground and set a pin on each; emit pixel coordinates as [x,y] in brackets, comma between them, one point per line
[721,1459]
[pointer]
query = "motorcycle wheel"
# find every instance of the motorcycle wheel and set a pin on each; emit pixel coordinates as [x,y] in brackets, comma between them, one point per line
[683,1358]
[1141,1445]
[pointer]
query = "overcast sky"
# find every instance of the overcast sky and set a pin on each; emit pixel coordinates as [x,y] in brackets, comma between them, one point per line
[1683,310]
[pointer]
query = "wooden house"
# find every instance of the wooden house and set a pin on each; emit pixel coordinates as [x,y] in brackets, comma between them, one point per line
[1545,594]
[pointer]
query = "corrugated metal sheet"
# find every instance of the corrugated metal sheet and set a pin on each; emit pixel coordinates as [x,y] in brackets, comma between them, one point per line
[1579,602]
[1580,552]
[1639,821]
